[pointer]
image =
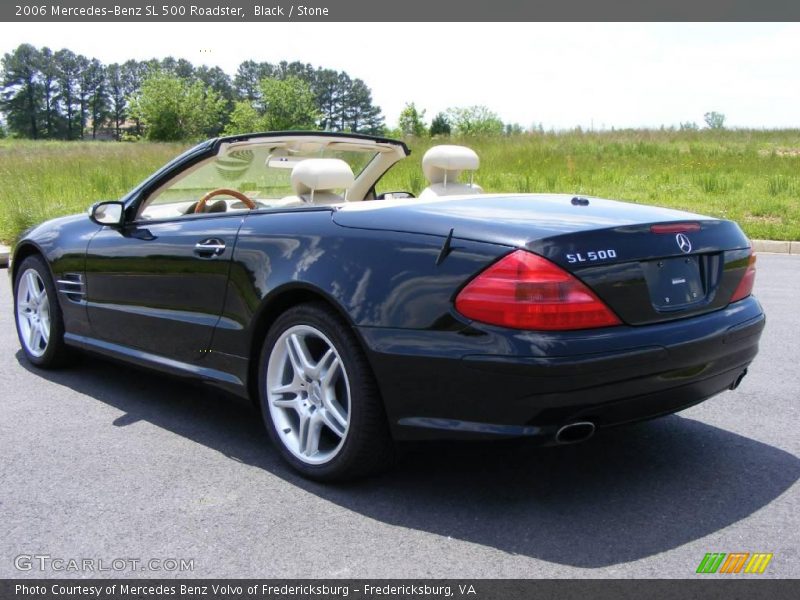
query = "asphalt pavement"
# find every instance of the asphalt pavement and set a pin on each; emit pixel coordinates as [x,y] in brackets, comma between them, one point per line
[102,462]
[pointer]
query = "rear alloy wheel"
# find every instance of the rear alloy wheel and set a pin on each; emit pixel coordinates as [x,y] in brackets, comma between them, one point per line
[39,322]
[318,398]
[309,394]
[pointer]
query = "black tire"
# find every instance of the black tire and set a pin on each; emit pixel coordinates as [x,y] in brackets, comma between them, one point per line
[56,352]
[367,447]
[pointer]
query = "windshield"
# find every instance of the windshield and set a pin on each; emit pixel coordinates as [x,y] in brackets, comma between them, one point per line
[260,172]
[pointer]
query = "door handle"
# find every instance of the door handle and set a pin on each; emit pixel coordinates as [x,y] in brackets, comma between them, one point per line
[209,248]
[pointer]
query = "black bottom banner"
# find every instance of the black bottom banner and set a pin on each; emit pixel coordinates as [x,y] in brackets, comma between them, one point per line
[364,589]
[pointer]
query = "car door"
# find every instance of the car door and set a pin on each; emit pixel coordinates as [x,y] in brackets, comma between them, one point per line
[159,287]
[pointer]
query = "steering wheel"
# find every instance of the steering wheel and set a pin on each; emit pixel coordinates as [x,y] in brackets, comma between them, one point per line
[201,204]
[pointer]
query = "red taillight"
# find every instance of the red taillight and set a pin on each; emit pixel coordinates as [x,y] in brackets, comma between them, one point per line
[674,227]
[745,287]
[526,291]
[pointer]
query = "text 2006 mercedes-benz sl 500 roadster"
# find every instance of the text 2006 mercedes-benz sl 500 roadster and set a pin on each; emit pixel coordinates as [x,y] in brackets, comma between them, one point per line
[269,265]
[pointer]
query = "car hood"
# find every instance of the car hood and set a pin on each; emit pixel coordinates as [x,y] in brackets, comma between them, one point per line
[50,229]
[515,220]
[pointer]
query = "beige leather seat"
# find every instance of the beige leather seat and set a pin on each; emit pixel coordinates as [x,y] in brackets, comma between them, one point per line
[316,181]
[442,165]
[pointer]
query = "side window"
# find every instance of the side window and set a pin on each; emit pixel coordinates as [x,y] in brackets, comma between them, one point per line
[402,181]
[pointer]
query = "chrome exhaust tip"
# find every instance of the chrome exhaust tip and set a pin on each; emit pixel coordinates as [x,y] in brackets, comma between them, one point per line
[572,433]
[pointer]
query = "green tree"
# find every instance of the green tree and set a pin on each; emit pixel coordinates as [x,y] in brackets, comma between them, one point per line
[302,71]
[219,81]
[83,92]
[172,108]
[714,120]
[179,67]
[216,79]
[343,84]
[117,100]
[288,104]
[345,104]
[248,78]
[411,121]
[475,120]
[361,115]
[133,75]
[93,82]
[244,119]
[327,92]
[49,75]
[284,104]
[440,125]
[61,94]
[68,73]
[21,100]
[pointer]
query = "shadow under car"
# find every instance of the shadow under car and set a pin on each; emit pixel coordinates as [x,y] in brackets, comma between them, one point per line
[625,494]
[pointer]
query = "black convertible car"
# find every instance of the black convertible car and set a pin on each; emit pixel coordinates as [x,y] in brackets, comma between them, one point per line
[269,265]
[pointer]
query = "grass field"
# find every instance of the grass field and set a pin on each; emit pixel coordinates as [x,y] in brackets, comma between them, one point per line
[41,180]
[752,177]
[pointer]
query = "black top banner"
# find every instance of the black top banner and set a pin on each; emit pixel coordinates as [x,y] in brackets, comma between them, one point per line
[398,10]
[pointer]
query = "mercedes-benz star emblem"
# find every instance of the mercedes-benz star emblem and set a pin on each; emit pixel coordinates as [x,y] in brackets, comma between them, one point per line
[683,243]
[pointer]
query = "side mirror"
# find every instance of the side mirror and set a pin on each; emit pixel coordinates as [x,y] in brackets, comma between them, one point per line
[395,196]
[107,213]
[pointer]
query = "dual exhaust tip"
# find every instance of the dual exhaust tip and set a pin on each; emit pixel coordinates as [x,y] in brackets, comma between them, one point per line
[572,433]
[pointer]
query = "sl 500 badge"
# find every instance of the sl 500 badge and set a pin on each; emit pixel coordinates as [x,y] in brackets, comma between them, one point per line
[592,256]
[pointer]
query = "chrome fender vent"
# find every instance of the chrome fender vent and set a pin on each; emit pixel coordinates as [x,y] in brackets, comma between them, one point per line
[73,286]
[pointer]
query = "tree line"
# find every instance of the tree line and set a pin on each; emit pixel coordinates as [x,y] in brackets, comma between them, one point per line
[466,121]
[67,96]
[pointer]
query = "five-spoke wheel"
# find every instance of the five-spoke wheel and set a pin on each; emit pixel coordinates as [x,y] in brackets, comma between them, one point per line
[33,312]
[37,314]
[318,396]
[309,394]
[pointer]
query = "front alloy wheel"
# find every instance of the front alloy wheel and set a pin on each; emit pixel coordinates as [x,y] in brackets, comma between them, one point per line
[40,325]
[33,313]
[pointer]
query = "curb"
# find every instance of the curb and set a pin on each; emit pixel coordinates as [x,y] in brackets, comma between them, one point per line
[776,247]
[4,252]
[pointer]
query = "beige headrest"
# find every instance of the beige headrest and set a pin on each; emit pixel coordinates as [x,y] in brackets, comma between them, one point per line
[449,161]
[315,174]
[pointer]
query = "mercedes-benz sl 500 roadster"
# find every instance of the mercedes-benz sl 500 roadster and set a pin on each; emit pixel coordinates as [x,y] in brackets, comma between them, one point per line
[271,265]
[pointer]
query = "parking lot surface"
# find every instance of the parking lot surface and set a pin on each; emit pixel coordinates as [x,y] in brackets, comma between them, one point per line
[103,461]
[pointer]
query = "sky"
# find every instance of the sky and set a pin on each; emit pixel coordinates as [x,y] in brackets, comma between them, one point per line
[562,75]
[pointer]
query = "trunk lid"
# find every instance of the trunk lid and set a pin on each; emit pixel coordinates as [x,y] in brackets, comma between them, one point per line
[644,276]
[513,220]
[647,277]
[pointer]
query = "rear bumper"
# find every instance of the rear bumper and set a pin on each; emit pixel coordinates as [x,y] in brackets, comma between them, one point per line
[484,381]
